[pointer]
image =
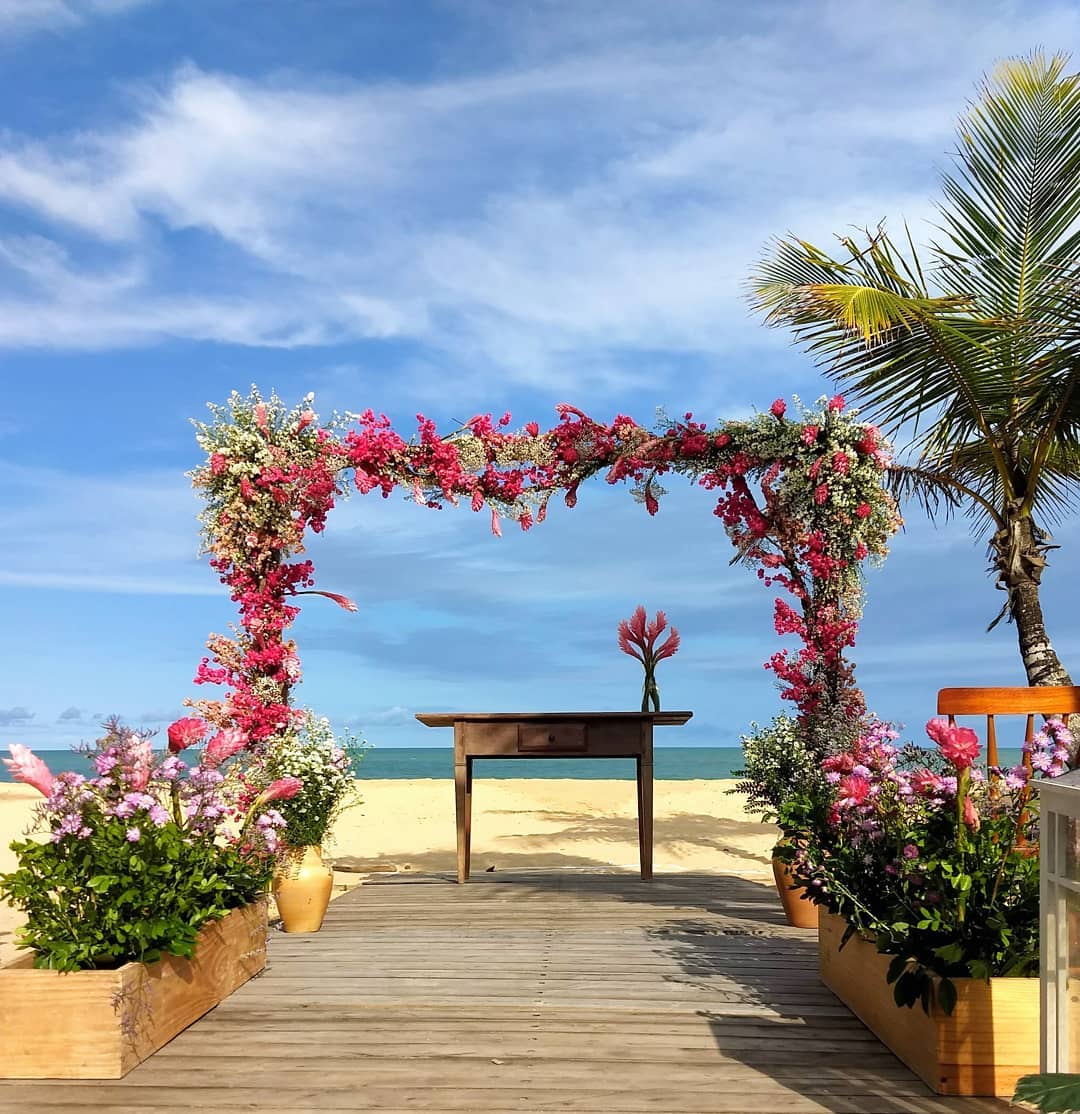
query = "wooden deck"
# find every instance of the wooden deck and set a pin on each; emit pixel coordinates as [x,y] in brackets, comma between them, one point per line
[527,992]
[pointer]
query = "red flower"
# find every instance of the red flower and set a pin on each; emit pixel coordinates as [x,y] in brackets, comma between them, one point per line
[809,434]
[778,408]
[837,403]
[186,732]
[864,510]
[852,790]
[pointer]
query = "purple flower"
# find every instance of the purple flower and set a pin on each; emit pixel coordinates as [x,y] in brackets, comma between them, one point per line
[133,835]
[1017,777]
[910,851]
[104,763]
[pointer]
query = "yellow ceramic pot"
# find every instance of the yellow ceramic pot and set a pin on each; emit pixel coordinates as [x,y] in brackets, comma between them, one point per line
[302,884]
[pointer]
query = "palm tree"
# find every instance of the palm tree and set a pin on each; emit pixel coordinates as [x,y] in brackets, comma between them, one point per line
[975,355]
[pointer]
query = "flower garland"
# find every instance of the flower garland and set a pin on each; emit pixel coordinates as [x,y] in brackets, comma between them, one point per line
[801,500]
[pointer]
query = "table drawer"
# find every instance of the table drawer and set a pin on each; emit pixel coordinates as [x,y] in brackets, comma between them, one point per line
[570,738]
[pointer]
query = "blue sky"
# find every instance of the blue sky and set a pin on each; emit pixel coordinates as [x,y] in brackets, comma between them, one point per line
[447,207]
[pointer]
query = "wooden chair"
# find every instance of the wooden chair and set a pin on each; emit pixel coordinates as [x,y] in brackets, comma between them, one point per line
[1047,700]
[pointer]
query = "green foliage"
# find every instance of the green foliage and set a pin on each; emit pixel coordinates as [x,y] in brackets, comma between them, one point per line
[104,901]
[973,348]
[778,767]
[326,770]
[1057,1093]
[945,899]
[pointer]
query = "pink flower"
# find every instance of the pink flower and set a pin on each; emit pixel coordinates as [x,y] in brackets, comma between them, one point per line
[140,759]
[778,408]
[133,835]
[185,732]
[284,789]
[809,435]
[971,815]
[218,464]
[25,766]
[959,745]
[638,638]
[305,419]
[224,745]
[821,494]
[337,597]
[864,510]
[496,529]
[837,403]
[852,790]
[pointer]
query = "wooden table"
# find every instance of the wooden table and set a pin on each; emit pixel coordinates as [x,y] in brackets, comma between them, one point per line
[553,735]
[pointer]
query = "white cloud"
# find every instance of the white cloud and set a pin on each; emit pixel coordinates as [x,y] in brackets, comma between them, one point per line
[596,194]
[129,535]
[20,17]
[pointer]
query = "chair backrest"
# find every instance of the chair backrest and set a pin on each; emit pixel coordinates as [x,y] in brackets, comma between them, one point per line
[1043,700]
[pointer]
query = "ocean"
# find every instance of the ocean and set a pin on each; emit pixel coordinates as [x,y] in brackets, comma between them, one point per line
[406,763]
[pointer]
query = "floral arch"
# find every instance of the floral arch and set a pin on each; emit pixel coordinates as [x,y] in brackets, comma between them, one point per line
[800,498]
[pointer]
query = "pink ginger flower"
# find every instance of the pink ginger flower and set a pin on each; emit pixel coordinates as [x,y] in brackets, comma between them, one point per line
[778,408]
[140,759]
[959,745]
[218,464]
[284,789]
[337,597]
[185,732]
[25,766]
[224,745]
[971,815]
[809,435]
[638,638]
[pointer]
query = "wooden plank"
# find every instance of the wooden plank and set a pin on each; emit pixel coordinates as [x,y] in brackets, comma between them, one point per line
[1040,700]
[527,993]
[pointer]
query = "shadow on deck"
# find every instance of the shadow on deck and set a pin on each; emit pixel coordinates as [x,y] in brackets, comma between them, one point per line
[572,992]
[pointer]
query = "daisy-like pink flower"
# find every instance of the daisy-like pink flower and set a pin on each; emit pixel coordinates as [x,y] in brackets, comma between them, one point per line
[25,766]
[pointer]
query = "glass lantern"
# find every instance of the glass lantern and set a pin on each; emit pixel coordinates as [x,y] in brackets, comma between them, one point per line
[1059,922]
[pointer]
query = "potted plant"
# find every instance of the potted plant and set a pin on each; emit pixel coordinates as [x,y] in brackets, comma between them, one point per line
[777,767]
[928,876]
[143,907]
[310,754]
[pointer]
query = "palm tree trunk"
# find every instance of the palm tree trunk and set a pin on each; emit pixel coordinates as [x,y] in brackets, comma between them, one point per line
[1019,554]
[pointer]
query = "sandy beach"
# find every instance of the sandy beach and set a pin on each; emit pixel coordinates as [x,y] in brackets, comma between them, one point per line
[517,824]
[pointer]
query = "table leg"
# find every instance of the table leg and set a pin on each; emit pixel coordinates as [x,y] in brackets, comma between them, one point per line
[645,814]
[463,787]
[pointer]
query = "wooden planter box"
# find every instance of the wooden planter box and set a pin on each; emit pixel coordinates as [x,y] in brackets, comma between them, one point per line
[100,1024]
[982,1048]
